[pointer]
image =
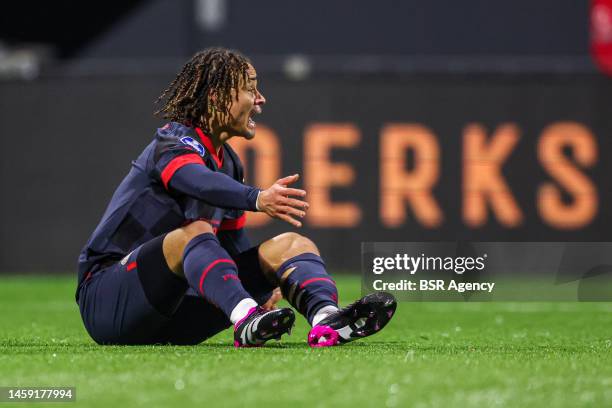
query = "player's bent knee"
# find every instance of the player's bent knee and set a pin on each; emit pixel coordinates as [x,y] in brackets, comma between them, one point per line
[176,241]
[197,228]
[276,251]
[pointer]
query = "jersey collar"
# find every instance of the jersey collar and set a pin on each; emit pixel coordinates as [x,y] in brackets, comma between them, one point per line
[210,147]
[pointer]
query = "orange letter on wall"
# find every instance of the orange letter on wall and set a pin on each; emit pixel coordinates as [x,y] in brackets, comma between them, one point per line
[267,164]
[321,175]
[583,207]
[482,178]
[399,186]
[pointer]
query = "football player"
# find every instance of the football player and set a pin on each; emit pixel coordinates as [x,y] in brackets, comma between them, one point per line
[170,262]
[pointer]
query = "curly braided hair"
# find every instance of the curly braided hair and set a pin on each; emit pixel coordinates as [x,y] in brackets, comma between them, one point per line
[214,71]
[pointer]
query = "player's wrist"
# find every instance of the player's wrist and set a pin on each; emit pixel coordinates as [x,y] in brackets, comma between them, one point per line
[252,199]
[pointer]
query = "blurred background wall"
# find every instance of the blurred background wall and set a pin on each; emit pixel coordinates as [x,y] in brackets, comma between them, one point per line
[412,120]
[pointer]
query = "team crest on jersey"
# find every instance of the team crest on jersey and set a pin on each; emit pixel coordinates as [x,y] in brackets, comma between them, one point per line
[194,144]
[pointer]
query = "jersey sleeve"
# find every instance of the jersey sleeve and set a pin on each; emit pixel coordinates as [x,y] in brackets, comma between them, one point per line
[179,167]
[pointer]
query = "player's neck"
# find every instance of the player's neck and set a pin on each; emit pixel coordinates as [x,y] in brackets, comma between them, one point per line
[217,136]
[217,139]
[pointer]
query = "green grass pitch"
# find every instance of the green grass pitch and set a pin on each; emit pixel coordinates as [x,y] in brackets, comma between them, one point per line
[430,355]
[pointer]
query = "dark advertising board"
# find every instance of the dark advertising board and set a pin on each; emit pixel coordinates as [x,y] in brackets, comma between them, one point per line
[383,159]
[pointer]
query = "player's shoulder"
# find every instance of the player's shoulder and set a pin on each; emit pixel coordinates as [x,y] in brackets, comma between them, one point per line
[176,136]
[173,131]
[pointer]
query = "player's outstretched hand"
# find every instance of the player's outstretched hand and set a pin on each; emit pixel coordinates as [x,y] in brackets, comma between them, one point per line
[276,201]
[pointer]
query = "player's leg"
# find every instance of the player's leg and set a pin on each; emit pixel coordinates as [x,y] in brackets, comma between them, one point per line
[252,276]
[123,304]
[185,326]
[194,321]
[294,263]
[141,301]
[194,253]
[136,301]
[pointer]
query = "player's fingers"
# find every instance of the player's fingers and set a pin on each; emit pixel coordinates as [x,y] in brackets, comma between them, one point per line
[290,220]
[288,180]
[269,305]
[292,192]
[285,209]
[277,295]
[274,299]
[303,205]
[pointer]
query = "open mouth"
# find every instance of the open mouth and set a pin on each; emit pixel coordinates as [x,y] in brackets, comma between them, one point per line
[251,124]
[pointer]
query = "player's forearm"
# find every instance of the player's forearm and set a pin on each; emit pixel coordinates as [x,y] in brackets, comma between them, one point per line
[215,188]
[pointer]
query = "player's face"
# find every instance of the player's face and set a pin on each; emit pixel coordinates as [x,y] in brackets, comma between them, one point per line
[249,104]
